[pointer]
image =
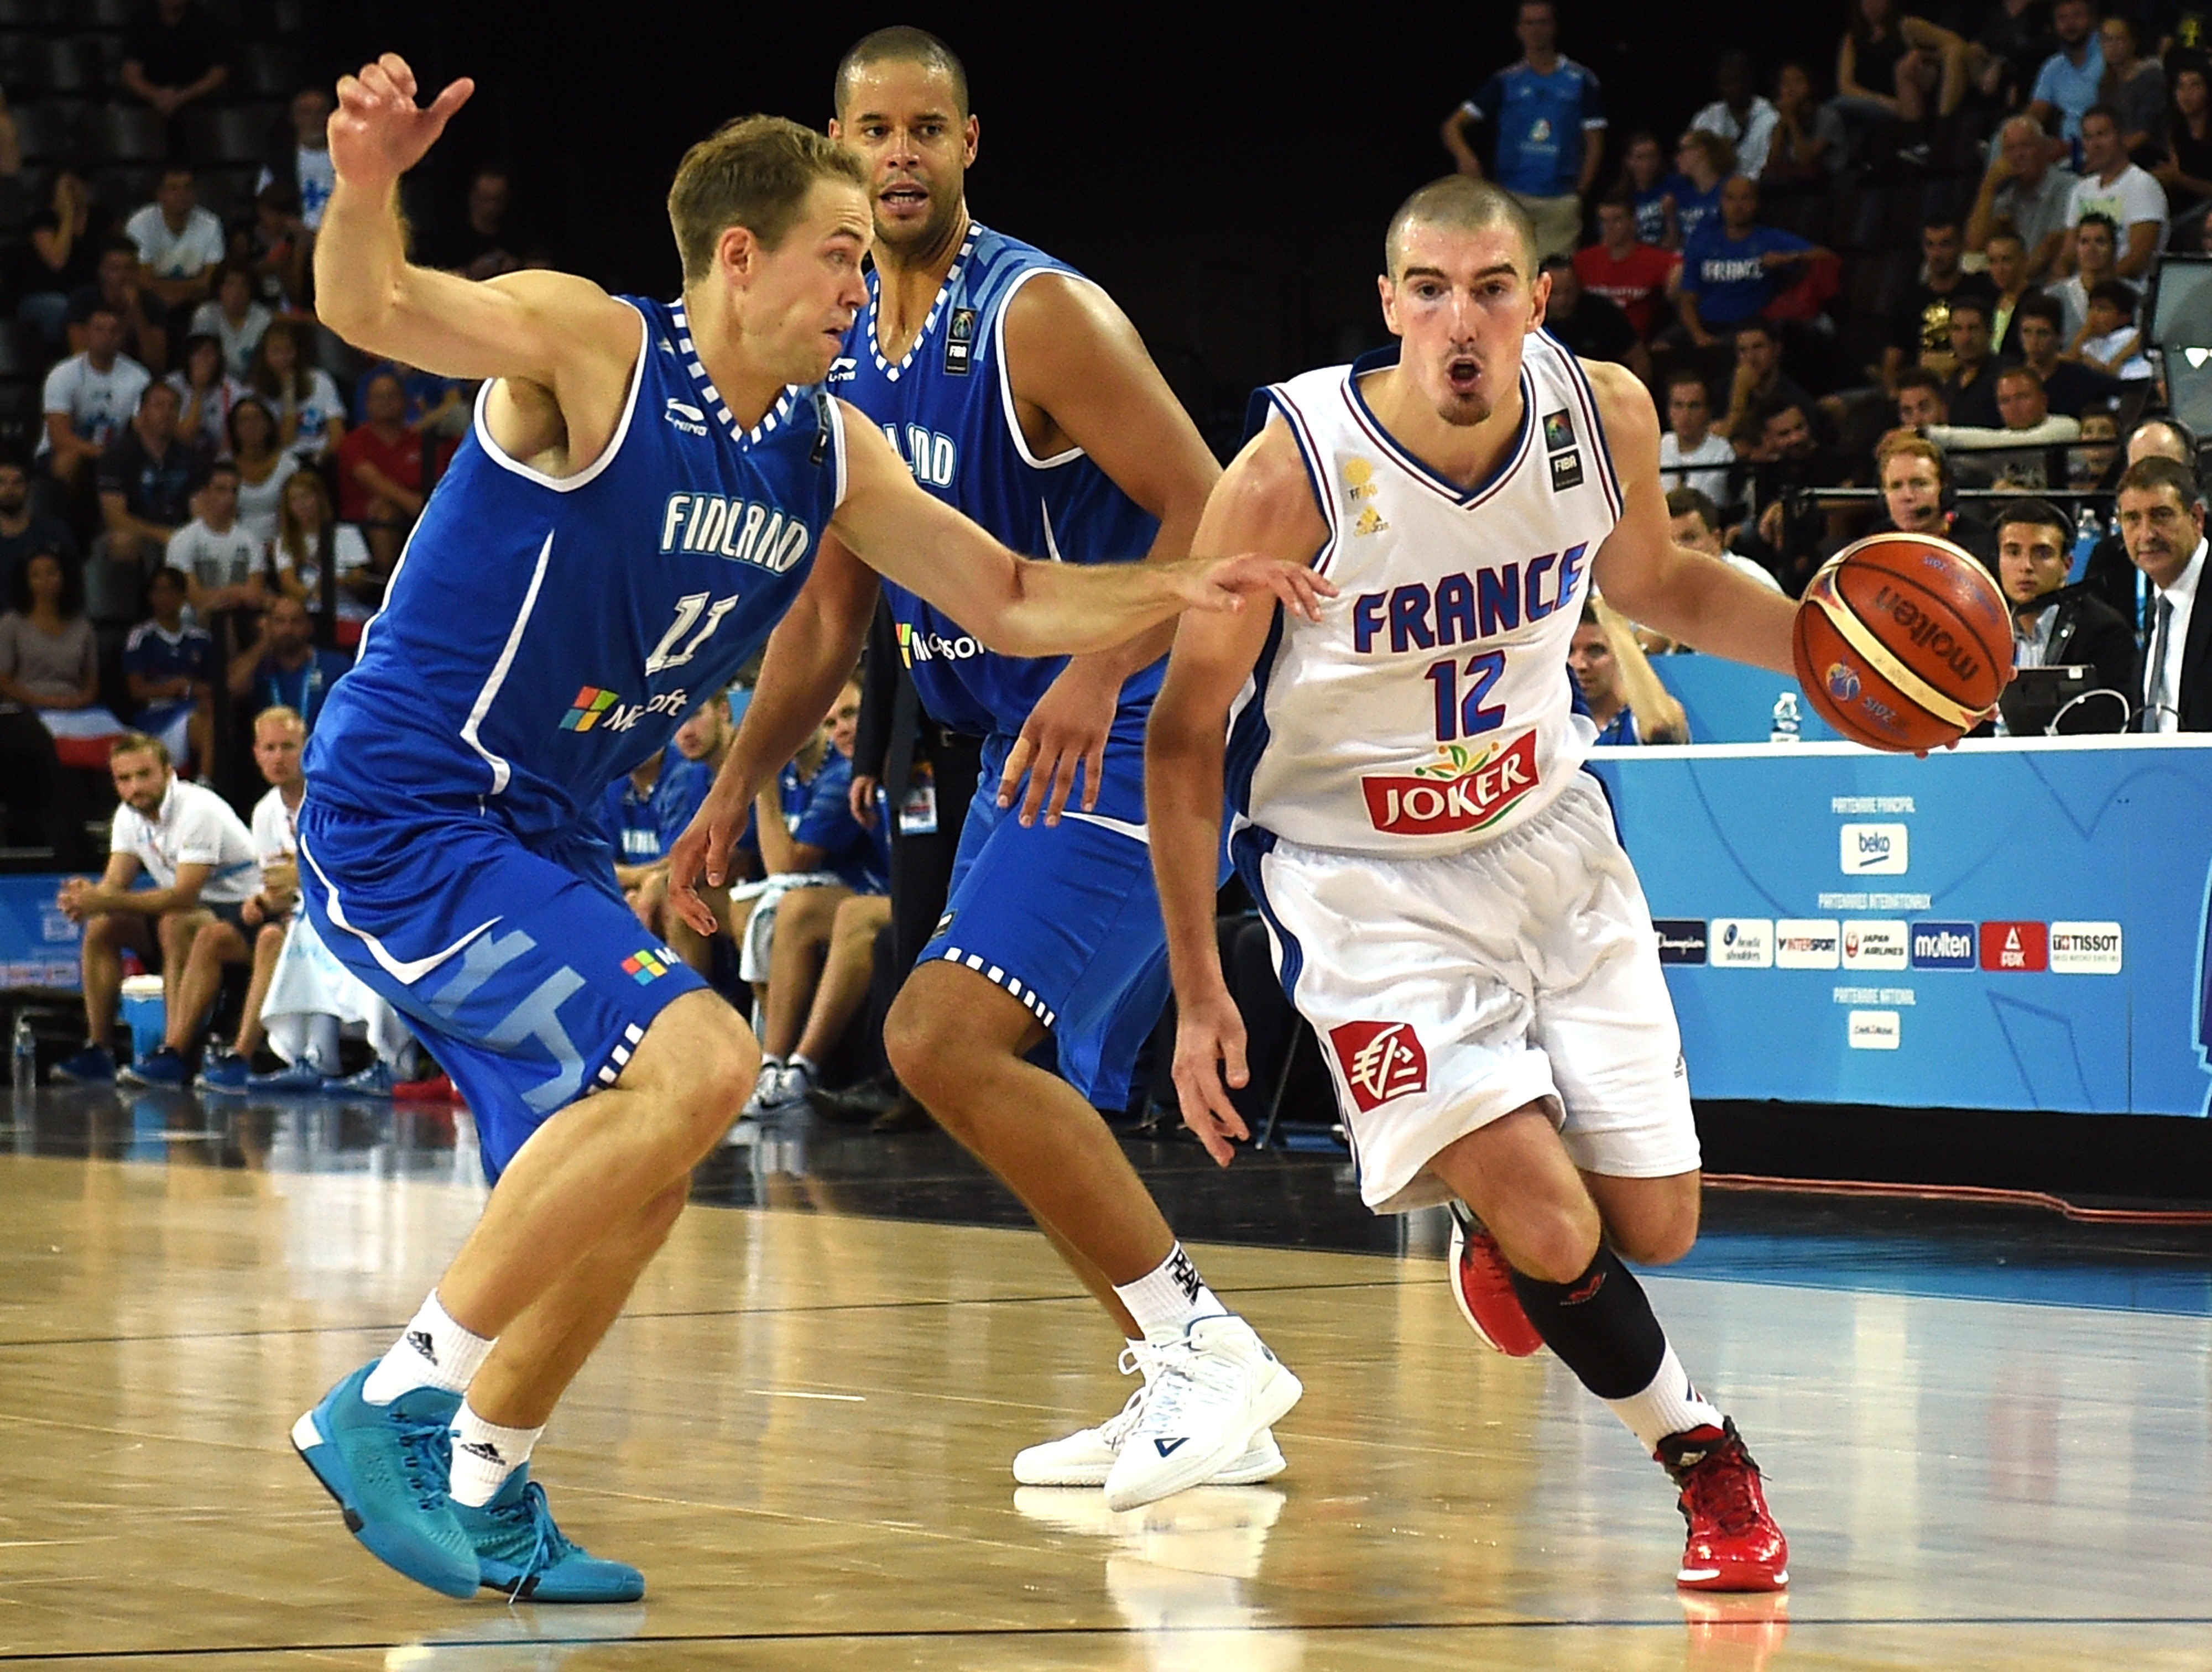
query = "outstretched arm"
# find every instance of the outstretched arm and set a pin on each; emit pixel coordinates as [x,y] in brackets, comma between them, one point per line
[1263,504]
[1647,577]
[562,345]
[1022,608]
[1080,377]
[810,656]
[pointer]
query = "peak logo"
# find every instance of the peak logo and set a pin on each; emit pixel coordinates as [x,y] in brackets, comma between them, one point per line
[1458,792]
[1381,1061]
[2015,946]
[1875,850]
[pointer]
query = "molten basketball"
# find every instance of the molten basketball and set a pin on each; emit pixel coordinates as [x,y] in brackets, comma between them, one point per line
[1903,642]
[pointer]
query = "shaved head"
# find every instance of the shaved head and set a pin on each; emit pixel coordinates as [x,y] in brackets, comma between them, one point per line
[900,44]
[1457,203]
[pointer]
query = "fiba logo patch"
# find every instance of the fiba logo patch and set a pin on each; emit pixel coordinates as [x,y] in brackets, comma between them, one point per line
[1843,681]
[1381,1061]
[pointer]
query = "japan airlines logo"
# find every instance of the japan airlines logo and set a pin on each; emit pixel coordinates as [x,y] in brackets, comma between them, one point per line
[690,419]
[1381,1061]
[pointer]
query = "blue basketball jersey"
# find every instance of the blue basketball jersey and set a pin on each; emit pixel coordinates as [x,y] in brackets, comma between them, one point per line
[541,636]
[948,408]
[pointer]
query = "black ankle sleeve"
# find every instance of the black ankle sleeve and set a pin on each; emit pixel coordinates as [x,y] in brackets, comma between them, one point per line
[1601,1325]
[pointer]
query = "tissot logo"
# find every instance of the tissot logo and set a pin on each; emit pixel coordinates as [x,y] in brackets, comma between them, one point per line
[1681,939]
[2085,949]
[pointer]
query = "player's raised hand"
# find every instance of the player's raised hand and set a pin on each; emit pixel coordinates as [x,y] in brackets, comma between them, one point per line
[378,133]
[1224,583]
[705,847]
[1210,1050]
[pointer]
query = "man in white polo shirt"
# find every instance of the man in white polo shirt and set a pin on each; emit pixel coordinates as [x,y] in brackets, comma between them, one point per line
[200,856]
[179,244]
[2111,185]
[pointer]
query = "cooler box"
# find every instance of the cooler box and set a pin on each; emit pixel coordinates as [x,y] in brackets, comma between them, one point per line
[143,1014]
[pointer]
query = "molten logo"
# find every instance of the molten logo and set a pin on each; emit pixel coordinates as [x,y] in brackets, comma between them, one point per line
[1929,634]
[1381,1061]
[1462,791]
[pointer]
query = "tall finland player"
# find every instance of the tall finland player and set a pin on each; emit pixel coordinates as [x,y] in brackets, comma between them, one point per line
[1448,902]
[648,489]
[1024,397]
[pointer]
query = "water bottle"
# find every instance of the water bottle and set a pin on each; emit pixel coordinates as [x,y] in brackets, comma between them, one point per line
[2087,531]
[1788,726]
[25,1060]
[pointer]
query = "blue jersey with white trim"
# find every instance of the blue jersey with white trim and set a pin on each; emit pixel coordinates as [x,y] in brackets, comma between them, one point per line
[948,408]
[542,636]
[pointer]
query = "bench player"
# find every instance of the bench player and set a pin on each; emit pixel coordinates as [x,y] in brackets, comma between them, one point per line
[1447,900]
[646,489]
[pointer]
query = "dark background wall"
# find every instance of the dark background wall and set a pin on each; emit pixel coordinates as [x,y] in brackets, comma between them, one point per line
[1224,172]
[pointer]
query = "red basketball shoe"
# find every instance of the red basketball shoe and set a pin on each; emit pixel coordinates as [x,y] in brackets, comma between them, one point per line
[1482,1284]
[1733,1543]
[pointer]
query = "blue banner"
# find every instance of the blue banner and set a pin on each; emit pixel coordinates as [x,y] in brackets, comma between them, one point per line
[39,946]
[2009,925]
[1728,702]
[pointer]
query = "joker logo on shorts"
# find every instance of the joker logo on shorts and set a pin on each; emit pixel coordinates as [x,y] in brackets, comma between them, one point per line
[1381,1061]
[1461,790]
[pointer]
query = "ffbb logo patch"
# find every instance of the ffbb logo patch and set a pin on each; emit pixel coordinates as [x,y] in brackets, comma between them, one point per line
[1381,1061]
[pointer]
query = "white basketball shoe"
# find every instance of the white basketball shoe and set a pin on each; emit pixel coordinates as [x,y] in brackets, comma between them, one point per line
[1085,1457]
[1213,1393]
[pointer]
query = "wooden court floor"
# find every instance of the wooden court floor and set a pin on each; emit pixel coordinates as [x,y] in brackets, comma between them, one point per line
[802,1430]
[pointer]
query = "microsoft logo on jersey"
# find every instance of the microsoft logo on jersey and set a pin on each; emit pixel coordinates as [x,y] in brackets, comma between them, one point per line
[916,645]
[646,966]
[590,707]
[606,711]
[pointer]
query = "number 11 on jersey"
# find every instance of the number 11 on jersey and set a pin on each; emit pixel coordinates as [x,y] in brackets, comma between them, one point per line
[689,609]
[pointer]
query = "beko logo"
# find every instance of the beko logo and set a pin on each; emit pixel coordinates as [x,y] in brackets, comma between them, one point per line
[1875,850]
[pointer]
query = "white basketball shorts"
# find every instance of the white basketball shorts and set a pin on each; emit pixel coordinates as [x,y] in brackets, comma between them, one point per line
[1449,992]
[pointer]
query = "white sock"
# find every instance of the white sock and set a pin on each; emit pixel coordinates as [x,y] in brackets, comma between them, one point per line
[1669,1406]
[804,1064]
[431,1351]
[484,1455]
[323,1044]
[1165,1299]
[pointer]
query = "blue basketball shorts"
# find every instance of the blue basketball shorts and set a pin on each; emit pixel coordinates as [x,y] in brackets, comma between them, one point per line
[518,963]
[1065,917]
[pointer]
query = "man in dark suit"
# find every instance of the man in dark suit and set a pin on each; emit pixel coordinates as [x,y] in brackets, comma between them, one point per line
[2162,521]
[2054,625]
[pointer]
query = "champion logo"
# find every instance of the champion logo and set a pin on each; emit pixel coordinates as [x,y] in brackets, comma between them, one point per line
[1169,1447]
[483,1449]
[421,1342]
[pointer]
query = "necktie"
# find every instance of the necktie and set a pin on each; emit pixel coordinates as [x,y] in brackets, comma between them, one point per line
[2158,698]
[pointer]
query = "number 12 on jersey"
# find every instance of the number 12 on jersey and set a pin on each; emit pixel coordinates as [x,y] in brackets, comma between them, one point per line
[1466,716]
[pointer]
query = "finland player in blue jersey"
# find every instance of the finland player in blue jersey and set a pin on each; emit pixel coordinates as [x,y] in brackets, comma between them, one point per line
[649,488]
[1020,395]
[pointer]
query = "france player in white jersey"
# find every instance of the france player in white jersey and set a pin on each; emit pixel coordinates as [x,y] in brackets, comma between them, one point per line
[648,489]
[1448,903]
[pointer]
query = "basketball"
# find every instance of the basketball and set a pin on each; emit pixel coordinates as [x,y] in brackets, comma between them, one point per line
[1903,642]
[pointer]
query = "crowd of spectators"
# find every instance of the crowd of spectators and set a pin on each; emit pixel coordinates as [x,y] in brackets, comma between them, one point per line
[1906,290]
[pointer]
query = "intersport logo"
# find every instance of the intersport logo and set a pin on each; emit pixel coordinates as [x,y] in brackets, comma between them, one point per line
[1462,791]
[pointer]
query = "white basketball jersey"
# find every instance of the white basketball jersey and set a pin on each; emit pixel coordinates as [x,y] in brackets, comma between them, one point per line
[1431,710]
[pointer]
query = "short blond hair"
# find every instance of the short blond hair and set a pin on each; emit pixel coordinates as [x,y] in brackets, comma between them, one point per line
[283,713]
[1910,447]
[755,173]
